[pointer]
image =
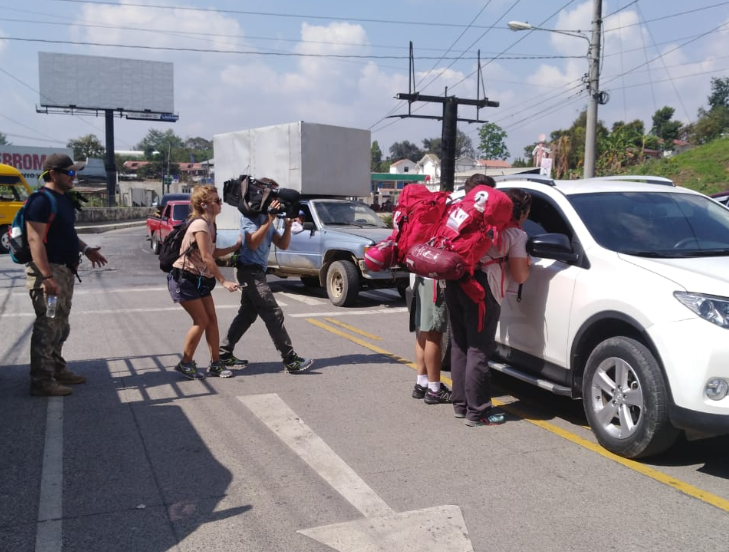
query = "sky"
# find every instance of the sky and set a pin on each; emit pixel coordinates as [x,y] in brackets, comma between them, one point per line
[241,64]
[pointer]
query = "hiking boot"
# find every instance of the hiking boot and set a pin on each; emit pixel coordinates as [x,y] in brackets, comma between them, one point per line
[69,378]
[189,370]
[419,391]
[217,370]
[493,417]
[230,360]
[442,396]
[296,364]
[50,389]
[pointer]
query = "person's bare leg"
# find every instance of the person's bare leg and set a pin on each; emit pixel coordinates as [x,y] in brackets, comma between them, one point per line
[196,310]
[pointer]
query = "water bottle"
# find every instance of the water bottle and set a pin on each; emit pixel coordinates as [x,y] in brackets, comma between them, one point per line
[51,303]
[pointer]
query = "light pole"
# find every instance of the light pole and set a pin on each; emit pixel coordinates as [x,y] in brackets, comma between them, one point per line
[593,86]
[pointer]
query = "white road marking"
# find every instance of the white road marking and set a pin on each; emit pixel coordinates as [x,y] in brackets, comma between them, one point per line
[437,529]
[302,298]
[50,509]
[349,312]
[284,422]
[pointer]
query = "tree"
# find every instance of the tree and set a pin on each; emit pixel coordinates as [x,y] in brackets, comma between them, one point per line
[464,145]
[664,128]
[3,140]
[198,149]
[719,96]
[375,157]
[155,170]
[86,146]
[405,150]
[165,143]
[493,142]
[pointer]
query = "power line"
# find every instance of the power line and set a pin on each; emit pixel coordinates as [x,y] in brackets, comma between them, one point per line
[253,52]
[274,14]
[663,61]
[669,16]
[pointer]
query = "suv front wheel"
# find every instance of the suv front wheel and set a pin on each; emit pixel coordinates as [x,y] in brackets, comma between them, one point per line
[626,400]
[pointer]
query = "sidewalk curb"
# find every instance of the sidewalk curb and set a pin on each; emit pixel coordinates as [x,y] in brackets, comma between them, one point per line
[99,228]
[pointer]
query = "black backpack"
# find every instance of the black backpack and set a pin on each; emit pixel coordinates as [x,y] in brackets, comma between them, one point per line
[169,251]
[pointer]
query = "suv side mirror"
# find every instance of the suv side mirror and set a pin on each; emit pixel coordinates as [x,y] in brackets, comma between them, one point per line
[552,246]
[309,226]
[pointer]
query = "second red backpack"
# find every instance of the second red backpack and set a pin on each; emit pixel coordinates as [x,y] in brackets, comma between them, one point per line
[418,213]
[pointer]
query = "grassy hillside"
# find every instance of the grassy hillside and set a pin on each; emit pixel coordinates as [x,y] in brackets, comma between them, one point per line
[704,168]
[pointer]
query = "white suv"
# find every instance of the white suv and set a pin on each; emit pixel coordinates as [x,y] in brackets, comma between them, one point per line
[626,307]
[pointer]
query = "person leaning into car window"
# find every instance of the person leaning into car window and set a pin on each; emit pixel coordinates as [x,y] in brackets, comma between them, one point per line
[258,232]
[193,277]
[471,348]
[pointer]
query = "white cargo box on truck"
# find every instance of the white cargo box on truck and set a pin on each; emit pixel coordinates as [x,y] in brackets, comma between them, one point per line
[315,159]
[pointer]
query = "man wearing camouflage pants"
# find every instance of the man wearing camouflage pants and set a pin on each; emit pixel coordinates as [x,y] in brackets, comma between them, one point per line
[55,248]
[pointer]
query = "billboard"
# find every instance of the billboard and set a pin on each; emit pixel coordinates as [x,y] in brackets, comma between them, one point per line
[29,160]
[95,82]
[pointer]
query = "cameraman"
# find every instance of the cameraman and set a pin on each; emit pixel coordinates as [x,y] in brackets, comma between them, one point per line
[257,233]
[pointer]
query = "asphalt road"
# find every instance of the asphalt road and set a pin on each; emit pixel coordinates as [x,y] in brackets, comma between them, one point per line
[139,459]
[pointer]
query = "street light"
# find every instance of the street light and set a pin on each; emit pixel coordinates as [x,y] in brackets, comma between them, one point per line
[593,86]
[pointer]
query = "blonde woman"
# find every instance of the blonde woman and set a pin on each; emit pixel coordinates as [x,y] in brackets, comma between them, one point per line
[193,277]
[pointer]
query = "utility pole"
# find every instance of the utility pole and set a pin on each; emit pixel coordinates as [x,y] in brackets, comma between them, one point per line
[593,89]
[449,118]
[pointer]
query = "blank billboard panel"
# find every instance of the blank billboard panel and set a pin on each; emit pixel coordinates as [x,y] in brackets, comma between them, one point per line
[94,82]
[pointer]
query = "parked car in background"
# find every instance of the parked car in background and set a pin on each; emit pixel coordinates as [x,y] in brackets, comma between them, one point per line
[329,252]
[626,307]
[160,224]
[722,197]
[14,190]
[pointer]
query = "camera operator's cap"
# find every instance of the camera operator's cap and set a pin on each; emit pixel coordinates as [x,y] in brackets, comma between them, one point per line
[61,162]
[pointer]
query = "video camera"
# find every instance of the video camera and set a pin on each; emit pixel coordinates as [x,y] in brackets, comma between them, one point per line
[253,197]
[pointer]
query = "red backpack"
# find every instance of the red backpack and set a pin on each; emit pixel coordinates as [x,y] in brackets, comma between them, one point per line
[418,213]
[466,233]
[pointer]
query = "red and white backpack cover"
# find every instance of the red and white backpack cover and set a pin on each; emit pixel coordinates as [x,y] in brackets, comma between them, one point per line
[467,231]
[418,213]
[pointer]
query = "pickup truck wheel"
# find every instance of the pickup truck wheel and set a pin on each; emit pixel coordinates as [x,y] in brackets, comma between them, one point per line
[310,281]
[342,283]
[154,244]
[626,400]
[4,239]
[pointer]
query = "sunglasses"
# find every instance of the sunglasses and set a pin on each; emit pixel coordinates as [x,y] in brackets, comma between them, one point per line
[66,172]
[218,201]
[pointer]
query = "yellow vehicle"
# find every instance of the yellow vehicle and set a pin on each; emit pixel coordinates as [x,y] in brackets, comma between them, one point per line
[14,190]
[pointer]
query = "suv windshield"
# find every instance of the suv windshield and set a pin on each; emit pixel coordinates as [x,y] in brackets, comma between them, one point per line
[655,224]
[349,214]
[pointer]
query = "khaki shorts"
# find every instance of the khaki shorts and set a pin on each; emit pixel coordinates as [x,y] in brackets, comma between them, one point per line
[428,315]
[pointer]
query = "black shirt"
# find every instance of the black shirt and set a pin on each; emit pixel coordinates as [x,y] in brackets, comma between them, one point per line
[62,242]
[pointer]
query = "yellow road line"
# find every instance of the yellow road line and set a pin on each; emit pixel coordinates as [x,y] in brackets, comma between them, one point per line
[681,486]
[352,329]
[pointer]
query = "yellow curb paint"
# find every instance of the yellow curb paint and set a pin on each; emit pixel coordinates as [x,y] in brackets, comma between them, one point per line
[352,329]
[681,486]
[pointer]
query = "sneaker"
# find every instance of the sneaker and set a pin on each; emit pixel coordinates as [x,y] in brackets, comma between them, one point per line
[457,414]
[50,389]
[494,417]
[69,378]
[189,370]
[217,370]
[297,364]
[442,396]
[230,360]
[419,391]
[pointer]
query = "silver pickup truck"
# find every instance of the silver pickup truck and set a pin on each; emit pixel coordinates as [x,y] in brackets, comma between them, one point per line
[329,251]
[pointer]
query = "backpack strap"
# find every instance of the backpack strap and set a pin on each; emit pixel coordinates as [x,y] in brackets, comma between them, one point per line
[54,208]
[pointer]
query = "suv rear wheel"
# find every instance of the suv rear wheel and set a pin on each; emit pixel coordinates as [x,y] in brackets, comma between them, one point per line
[626,400]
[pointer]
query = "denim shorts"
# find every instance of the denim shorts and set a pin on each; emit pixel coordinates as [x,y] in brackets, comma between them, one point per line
[188,288]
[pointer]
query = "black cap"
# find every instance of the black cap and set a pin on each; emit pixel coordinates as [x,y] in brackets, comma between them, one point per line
[59,161]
